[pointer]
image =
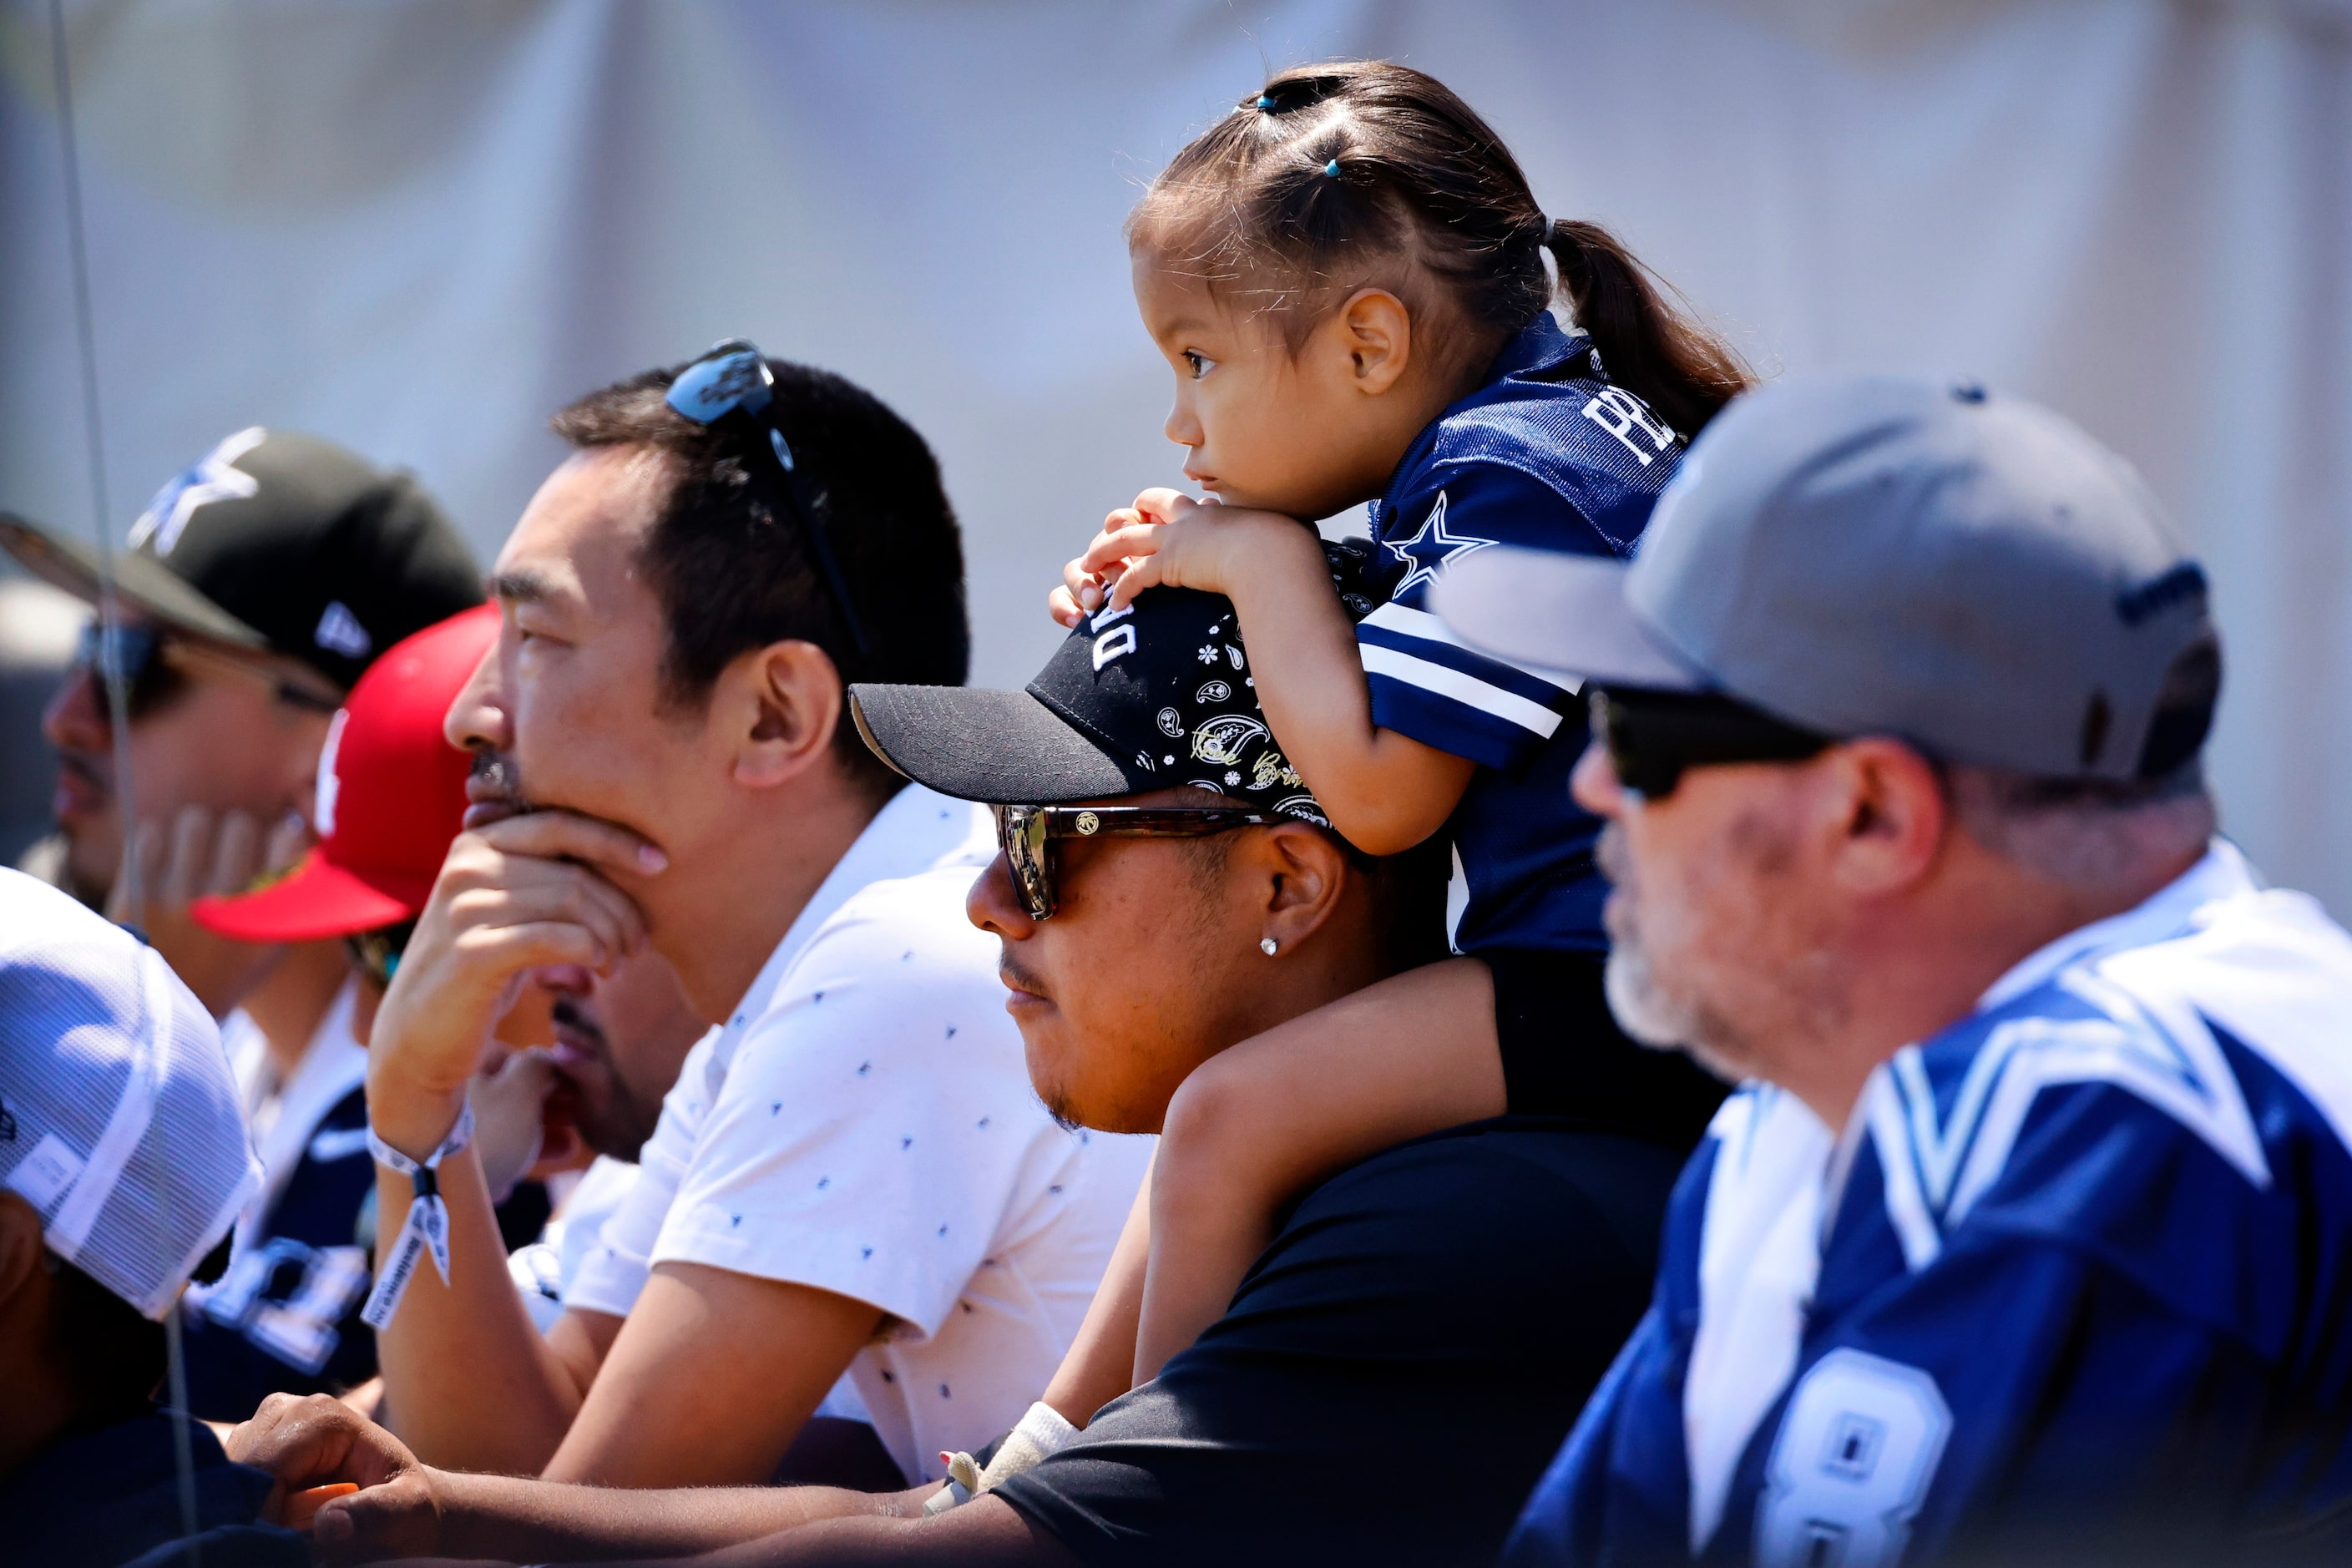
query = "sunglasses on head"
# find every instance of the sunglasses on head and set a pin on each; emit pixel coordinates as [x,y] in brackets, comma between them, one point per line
[733,384]
[1654,736]
[153,666]
[1026,835]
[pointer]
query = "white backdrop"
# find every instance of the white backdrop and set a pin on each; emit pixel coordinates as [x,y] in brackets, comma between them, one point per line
[418,226]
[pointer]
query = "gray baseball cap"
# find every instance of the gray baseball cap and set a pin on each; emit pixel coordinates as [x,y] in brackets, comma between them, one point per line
[1882,555]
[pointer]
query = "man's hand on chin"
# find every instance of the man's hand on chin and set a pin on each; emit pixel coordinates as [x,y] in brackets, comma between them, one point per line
[513,895]
[314,1441]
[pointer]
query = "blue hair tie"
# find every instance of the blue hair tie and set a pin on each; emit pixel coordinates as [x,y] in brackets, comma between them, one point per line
[1332,168]
[1266,102]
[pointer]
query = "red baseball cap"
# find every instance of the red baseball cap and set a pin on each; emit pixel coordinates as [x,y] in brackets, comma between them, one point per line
[392,794]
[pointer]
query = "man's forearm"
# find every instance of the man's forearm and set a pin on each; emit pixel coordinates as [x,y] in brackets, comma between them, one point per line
[468,1381]
[520,1519]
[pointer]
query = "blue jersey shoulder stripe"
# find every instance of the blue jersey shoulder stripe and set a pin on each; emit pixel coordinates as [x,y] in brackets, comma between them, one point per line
[1468,662]
[1411,708]
[1471,688]
[1405,626]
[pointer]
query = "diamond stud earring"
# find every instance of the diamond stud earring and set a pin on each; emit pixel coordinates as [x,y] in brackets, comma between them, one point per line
[1267,945]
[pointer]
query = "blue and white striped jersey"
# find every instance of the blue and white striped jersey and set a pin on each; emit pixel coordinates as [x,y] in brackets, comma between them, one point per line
[1546,455]
[2076,1281]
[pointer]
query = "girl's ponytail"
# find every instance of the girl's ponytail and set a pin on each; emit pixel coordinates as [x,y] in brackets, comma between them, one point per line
[1681,370]
[1351,173]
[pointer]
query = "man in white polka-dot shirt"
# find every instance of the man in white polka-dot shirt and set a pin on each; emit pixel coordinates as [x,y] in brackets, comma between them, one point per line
[853,1205]
[862,1124]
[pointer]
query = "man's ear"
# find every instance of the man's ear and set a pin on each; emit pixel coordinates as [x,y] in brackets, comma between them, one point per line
[1890,816]
[1305,872]
[781,704]
[1376,330]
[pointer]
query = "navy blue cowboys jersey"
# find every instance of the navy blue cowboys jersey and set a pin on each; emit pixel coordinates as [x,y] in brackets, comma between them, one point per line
[1547,455]
[285,1317]
[2075,1286]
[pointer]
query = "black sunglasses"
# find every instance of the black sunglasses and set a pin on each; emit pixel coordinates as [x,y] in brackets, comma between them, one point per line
[150,678]
[1026,833]
[733,383]
[1654,736]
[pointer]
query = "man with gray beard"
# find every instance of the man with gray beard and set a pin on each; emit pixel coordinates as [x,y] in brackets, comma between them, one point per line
[2027,1239]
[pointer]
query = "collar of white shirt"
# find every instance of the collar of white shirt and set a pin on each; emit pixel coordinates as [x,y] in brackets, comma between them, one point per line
[917,831]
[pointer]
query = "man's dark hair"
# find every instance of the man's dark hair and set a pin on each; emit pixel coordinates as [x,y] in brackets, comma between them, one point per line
[112,1356]
[729,564]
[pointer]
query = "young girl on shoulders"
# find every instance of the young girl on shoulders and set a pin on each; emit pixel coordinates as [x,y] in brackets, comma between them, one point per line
[1348,276]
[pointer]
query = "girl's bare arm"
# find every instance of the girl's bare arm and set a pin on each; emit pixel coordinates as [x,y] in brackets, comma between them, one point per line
[1385,792]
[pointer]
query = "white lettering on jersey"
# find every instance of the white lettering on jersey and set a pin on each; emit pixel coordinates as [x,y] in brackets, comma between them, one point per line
[1621,413]
[302,1327]
[1850,1465]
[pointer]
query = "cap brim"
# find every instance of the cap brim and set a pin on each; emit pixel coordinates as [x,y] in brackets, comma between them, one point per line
[317,900]
[1000,747]
[1566,615]
[140,581]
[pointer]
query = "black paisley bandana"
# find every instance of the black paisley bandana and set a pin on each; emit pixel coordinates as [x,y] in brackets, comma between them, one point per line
[1153,697]
[1164,688]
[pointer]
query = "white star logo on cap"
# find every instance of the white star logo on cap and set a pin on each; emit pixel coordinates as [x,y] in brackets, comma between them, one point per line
[214,477]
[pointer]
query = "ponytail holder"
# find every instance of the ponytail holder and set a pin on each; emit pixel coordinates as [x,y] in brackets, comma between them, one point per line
[1331,169]
[1265,103]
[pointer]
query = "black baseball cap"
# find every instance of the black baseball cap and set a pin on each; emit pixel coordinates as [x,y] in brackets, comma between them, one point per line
[1153,697]
[281,541]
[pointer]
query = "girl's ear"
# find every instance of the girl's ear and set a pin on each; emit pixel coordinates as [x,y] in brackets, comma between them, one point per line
[782,704]
[1377,331]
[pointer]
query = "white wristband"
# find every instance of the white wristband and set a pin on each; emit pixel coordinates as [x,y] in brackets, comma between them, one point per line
[1042,1433]
[424,1229]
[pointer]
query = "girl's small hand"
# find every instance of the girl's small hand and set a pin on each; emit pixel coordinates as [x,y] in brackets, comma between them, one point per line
[1081,593]
[1201,545]
[1124,536]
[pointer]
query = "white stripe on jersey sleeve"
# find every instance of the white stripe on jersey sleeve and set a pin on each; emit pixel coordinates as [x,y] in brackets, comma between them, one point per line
[1466,690]
[1411,623]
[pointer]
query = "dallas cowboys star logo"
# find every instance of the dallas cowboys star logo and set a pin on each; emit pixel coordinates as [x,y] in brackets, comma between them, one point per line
[212,479]
[1430,551]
